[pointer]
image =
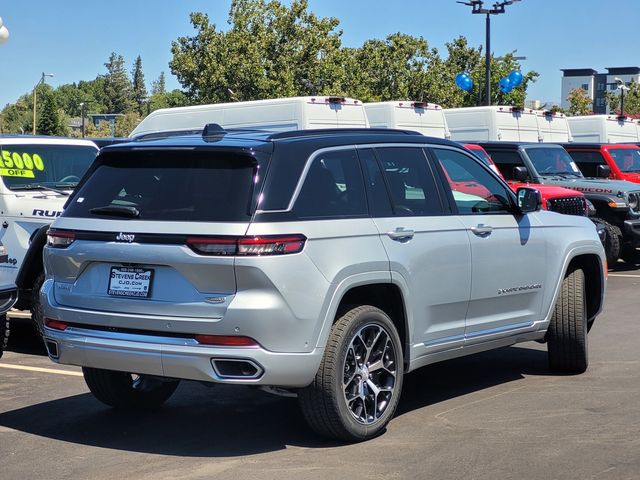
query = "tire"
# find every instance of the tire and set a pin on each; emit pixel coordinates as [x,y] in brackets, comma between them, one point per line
[612,241]
[324,403]
[36,306]
[4,333]
[127,391]
[567,334]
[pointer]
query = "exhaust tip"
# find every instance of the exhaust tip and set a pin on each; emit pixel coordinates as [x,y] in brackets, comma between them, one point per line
[52,349]
[236,369]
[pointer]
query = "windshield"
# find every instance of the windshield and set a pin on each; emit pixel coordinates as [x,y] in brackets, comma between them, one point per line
[553,161]
[25,167]
[627,159]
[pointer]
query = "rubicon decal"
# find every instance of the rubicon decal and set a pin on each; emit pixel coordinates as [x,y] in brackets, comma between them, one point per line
[522,288]
[125,237]
[46,213]
[592,189]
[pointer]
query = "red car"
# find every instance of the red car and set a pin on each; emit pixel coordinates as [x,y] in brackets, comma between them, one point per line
[622,160]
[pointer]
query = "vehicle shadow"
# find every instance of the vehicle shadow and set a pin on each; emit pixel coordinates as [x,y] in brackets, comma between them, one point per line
[225,421]
[23,338]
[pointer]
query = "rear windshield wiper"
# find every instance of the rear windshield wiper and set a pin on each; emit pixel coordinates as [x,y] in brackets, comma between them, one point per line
[38,186]
[116,211]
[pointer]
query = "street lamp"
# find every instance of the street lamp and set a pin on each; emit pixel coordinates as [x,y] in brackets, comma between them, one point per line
[497,9]
[40,82]
[622,87]
[83,114]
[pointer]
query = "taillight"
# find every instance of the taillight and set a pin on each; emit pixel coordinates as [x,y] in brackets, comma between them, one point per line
[248,246]
[60,238]
[226,340]
[55,324]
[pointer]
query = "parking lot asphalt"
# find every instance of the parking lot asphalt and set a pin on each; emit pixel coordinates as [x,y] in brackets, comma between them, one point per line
[495,415]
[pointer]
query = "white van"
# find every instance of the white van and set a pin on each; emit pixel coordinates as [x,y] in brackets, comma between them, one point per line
[553,127]
[426,118]
[281,114]
[603,129]
[493,123]
[37,174]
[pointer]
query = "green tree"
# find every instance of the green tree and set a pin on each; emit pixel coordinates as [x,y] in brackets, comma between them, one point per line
[174,98]
[126,123]
[118,91]
[631,100]
[50,122]
[159,85]
[579,102]
[270,50]
[139,89]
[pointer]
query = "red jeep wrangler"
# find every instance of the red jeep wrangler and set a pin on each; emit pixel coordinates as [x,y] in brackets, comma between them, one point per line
[618,161]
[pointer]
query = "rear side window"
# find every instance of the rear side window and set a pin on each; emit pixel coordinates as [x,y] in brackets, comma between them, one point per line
[409,180]
[588,162]
[333,187]
[505,161]
[171,186]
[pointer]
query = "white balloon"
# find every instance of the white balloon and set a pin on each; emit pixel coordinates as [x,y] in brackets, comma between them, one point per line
[1,23]
[4,34]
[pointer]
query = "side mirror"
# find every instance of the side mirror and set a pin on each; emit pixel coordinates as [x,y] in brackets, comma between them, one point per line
[520,173]
[603,171]
[529,199]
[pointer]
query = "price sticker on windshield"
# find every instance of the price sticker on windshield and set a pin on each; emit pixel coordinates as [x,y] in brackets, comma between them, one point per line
[574,167]
[16,164]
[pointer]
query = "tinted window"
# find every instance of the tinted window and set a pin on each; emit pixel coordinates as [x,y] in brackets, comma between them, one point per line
[474,189]
[171,186]
[379,203]
[333,187]
[409,180]
[506,160]
[588,162]
[29,166]
[627,159]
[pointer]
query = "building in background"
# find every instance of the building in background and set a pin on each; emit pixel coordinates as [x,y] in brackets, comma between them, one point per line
[596,84]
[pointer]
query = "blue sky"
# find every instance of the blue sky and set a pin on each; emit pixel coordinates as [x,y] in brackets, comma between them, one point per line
[73,38]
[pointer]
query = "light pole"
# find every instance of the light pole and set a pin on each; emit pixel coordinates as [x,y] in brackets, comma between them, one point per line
[622,87]
[83,114]
[40,82]
[497,9]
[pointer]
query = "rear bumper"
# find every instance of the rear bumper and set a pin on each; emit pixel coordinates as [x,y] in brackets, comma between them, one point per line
[178,357]
[8,297]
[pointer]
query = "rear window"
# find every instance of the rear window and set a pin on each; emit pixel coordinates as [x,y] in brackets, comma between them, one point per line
[32,167]
[171,186]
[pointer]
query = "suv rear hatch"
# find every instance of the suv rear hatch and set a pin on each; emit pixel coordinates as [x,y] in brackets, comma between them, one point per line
[156,232]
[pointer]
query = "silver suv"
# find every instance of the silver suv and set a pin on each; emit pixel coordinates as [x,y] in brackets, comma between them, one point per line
[328,263]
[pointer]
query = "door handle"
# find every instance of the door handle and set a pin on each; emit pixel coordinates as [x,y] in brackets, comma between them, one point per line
[401,234]
[482,230]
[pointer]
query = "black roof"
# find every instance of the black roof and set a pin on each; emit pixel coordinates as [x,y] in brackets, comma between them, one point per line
[578,72]
[585,145]
[511,145]
[263,140]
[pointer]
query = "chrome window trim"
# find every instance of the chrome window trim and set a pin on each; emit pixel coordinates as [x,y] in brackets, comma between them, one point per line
[355,147]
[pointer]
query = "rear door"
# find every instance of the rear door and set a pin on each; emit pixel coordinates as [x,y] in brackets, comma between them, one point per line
[428,249]
[508,252]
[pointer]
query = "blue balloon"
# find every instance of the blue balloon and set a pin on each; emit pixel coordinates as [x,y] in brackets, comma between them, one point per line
[464,82]
[516,78]
[505,85]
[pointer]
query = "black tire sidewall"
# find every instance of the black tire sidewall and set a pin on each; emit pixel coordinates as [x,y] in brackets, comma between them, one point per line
[370,316]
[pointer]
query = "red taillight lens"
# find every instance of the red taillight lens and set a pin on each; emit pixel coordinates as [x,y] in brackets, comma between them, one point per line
[226,340]
[60,238]
[55,324]
[248,246]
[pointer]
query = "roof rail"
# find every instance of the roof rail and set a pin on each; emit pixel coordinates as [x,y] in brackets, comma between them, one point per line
[326,131]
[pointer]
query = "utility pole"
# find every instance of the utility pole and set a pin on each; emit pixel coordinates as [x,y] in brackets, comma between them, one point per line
[477,8]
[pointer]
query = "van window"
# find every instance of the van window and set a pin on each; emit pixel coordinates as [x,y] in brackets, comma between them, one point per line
[333,187]
[475,191]
[170,186]
[409,180]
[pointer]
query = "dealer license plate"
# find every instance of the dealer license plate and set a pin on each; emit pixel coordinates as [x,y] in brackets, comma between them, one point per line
[130,282]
